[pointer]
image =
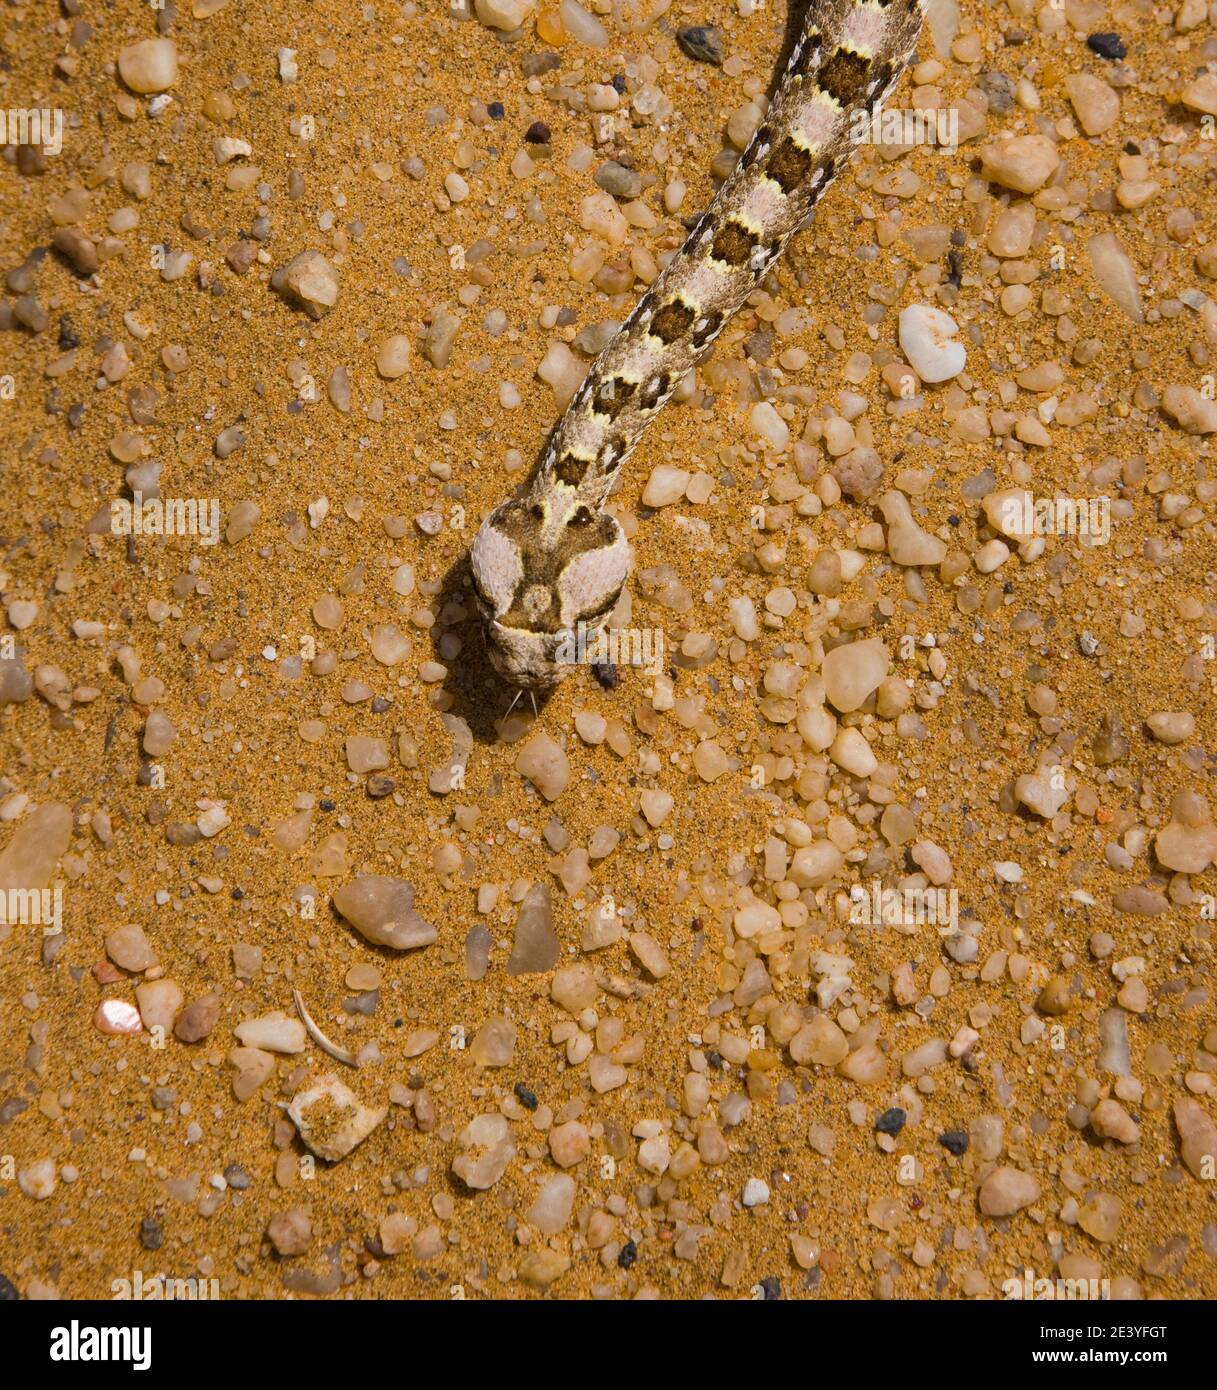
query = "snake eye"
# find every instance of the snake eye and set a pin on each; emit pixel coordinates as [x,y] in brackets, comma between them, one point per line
[582,517]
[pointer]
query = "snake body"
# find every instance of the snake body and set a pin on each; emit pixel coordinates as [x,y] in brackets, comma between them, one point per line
[552,560]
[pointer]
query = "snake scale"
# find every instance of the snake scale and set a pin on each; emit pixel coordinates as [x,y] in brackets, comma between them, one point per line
[553,559]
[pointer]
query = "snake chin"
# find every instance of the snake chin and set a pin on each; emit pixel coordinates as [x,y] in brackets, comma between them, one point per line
[530,660]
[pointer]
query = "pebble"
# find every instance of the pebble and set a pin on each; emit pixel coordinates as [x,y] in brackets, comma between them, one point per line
[1197,1139]
[1007,1190]
[309,280]
[273,1032]
[1192,411]
[1023,163]
[927,339]
[382,910]
[128,948]
[1116,274]
[149,66]
[393,357]
[701,42]
[117,1016]
[756,1193]
[487,1147]
[544,762]
[331,1119]
[39,1179]
[507,15]
[290,1232]
[197,1019]
[535,947]
[853,671]
[1096,105]
[494,1043]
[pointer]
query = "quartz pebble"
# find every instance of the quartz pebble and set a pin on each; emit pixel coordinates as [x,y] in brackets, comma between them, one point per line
[149,66]
[487,1147]
[928,340]
[309,280]
[1007,1190]
[535,947]
[382,910]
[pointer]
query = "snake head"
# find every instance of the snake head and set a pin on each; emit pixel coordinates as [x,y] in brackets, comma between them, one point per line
[540,575]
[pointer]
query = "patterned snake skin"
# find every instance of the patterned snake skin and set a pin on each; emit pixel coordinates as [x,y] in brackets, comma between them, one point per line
[553,559]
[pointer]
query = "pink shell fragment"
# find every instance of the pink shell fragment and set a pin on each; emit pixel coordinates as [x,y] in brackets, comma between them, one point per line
[117,1016]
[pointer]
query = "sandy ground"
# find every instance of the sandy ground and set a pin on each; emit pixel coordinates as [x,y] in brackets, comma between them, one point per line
[155,1165]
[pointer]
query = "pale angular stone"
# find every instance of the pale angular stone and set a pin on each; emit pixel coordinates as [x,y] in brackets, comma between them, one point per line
[1007,1190]
[331,1119]
[382,910]
[536,946]
[273,1032]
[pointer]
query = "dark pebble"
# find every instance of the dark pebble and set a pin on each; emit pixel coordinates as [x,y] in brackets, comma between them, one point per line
[891,1121]
[627,1255]
[538,133]
[380,704]
[702,43]
[8,1291]
[364,1003]
[151,1235]
[534,64]
[771,1286]
[606,673]
[955,1141]
[495,111]
[68,337]
[526,1097]
[1107,45]
[326,805]
[236,1177]
[379,786]
[617,82]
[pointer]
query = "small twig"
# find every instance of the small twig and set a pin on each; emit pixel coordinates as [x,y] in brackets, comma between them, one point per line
[319,1037]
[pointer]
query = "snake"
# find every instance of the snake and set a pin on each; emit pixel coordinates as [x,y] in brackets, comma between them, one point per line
[551,561]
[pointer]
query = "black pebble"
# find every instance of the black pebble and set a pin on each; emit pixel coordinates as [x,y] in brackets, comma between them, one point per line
[617,82]
[606,673]
[702,43]
[8,1291]
[538,133]
[151,1236]
[1107,46]
[68,337]
[955,1141]
[495,111]
[891,1121]
[629,1253]
[326,805]
[772,1288]
[526,1097]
